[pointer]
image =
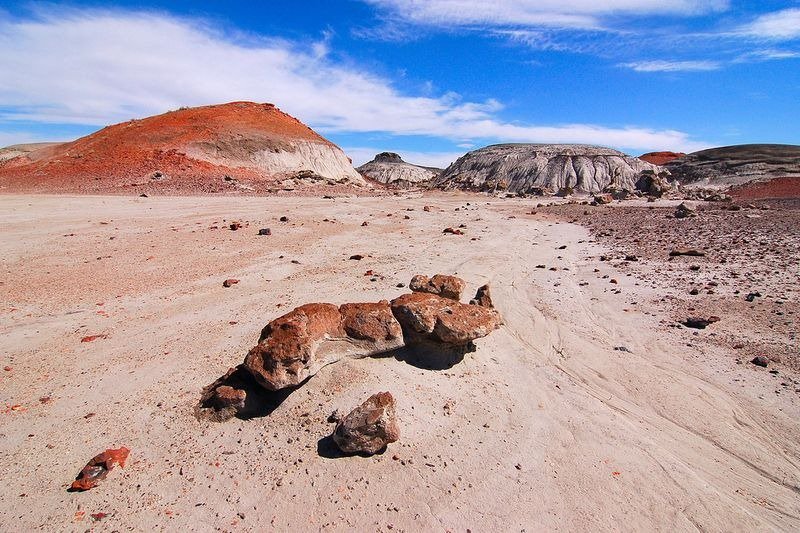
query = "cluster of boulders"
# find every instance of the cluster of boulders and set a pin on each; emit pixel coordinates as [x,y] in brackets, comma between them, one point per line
[295,346]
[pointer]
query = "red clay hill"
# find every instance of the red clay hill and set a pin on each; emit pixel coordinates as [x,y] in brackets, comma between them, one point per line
[235,147]
[660,158]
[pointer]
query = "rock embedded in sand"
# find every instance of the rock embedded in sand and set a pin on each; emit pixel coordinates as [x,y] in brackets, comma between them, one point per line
[602,199]
[298,344]
[230,282]
[760,360]
[370,427]
[291,347]
[685,211]
[98,468]
[372,326]
[700,323]
[428,317]
[440,284]
[482,297]
[691,252]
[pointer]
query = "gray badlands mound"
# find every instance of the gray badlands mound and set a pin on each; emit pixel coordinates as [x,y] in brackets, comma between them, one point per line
[542,168]
[736,165]
[390,169]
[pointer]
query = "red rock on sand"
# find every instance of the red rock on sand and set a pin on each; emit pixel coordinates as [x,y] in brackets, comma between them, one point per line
[297,345]
[428,317]
[446,286]
[90,338]
[97,469]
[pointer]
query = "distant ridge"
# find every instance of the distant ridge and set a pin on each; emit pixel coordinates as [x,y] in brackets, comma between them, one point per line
[390,169]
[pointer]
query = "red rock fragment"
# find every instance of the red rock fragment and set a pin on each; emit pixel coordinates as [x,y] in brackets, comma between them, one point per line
[229,282]
[97,469]
[90,338]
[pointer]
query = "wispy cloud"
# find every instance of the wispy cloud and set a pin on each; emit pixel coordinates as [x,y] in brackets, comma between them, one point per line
[98,67]
[582,14]
[779,26]
[672,66]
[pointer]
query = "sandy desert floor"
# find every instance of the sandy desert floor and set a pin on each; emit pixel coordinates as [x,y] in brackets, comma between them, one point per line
[587,410]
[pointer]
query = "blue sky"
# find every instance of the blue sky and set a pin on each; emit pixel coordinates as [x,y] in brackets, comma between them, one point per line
[429,79]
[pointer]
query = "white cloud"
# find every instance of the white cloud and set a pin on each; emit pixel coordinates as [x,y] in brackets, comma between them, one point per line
[672,66]
[780,26]
[583,14]
[767,55]
[361,155]
[99,67]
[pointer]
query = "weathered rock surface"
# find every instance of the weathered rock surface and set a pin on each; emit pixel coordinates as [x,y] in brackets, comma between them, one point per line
[446,286]
[370,427]
[372,327]
[297,345]
[390,169]
[532,168]
[428,317]
[729,166]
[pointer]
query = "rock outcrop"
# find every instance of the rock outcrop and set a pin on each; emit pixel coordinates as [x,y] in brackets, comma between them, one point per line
[240,146]
[370,427]
[427,318]
[543,168]
[390,169]
[732,166]
[297,345]
[446,286]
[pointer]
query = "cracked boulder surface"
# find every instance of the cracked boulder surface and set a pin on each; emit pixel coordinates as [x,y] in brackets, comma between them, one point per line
[297,345]
[428,317]
[445,286]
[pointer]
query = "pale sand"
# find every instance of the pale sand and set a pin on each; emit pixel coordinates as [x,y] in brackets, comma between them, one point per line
[547,426]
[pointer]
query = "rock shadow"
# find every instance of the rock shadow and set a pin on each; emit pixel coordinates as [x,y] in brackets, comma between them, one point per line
[258,401]
[327,449]
[432,355]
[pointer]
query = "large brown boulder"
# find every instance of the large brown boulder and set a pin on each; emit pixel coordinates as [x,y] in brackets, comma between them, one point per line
[369,427]
[446,286]
[297,345]
[428,317]
[372,327]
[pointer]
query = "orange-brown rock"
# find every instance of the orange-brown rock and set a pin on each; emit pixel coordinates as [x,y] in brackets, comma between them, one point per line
[446,286]
[97,469]
[370,427]
[297,345]
[372,325]
[290,348]
[429,317]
